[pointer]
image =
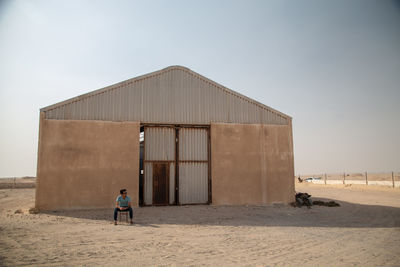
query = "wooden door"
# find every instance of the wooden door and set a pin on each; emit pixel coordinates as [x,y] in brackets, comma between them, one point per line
[160,183]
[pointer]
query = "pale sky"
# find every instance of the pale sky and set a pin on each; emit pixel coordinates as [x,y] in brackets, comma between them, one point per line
[334,66]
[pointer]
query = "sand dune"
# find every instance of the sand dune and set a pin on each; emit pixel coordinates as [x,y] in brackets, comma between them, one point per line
[364,231]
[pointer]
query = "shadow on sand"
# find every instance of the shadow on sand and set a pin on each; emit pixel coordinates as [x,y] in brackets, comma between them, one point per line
[348,215]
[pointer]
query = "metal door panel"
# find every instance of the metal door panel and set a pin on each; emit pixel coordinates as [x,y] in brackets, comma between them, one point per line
[159,147]
[193,183]
[193,166]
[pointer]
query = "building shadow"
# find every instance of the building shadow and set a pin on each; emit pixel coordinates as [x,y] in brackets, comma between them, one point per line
[348,215]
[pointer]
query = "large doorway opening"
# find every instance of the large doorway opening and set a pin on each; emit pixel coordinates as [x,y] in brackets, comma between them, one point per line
[175,167]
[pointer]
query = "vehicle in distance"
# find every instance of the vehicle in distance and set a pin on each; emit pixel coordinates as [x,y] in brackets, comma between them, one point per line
[311,179]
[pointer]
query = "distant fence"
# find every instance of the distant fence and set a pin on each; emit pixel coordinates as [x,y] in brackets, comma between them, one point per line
[391,179]
[11,183]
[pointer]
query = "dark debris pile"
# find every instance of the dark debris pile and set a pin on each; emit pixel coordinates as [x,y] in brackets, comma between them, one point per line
[304,199]
[327,204]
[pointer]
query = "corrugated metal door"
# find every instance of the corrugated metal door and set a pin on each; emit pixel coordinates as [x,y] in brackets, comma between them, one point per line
[193,165]
[159,147]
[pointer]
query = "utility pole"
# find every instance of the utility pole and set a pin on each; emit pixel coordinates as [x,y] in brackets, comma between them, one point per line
[393,179]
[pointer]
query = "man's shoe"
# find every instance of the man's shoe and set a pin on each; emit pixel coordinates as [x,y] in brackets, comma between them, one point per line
[115,223]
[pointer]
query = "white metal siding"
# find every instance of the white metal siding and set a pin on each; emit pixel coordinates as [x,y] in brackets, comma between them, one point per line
[193,175]
[148,183]
[159,143]
[193,183]
[171,183]
[173,95]
[193,144]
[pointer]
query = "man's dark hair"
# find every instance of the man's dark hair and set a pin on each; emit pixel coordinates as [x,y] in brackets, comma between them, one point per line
[122,191]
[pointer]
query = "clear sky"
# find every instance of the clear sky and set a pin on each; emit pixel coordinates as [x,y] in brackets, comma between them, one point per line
[334,66]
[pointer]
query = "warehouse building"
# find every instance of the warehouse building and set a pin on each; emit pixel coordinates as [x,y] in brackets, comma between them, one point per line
[171,137]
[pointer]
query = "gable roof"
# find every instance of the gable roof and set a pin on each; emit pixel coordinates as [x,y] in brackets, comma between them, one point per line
[173,95]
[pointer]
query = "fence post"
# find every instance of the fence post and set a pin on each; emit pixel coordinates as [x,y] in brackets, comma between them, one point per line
[392,179]
[344,177]
[366,178]
[325,179]
[14,182]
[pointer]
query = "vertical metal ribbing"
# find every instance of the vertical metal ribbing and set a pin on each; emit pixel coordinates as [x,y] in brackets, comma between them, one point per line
[172,96]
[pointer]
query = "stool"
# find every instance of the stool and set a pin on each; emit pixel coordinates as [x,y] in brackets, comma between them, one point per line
[126,213]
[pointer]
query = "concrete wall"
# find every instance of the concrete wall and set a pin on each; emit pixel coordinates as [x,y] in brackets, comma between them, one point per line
[84,164]
[251,164]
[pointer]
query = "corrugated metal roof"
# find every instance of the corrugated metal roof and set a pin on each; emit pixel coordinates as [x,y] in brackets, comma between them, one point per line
[174,95]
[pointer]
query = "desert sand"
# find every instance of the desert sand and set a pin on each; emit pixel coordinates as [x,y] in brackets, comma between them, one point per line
[364,231]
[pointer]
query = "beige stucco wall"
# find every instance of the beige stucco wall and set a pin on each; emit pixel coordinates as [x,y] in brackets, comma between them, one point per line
[251,164]
[84,164]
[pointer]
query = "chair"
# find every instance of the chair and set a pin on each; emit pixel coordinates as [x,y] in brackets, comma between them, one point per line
[124,212]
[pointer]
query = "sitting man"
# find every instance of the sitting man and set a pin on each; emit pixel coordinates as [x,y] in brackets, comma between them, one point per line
[123,204]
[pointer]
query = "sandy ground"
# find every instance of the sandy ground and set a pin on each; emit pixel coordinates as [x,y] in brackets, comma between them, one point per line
[364,231]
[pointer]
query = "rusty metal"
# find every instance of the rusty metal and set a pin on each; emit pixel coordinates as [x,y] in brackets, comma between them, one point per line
[161,181]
